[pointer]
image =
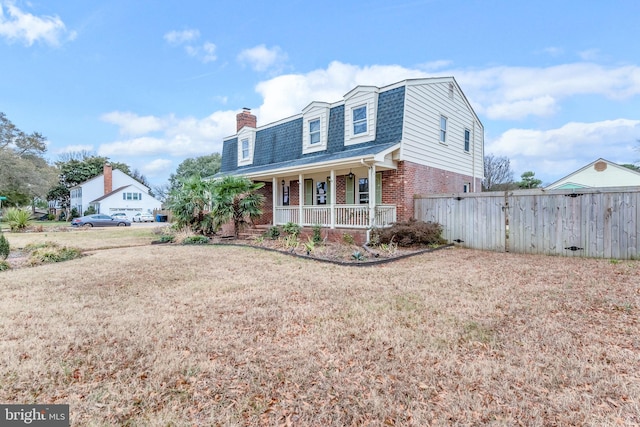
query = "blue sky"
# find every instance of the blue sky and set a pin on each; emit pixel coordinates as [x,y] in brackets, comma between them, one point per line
[149,83]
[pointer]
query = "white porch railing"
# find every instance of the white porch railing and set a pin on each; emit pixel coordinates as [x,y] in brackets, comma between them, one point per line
[347,216]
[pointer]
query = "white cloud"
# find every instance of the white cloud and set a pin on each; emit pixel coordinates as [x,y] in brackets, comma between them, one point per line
[186,38]
[21,26]
[553,51]
[184,137]
[518,92]
[435,65]
[589,54]
[261,58]
[156,167]
[75,149]
[564,149]
[132,124]
[180,37]
[288,94]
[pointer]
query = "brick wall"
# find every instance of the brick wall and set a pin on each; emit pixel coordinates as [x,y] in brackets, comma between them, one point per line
[294,193]
[267,206]
[399,186]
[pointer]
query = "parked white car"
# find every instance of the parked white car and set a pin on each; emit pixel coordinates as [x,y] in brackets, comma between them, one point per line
[143,217]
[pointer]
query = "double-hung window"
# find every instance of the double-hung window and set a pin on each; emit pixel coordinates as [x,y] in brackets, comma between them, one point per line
[245,149]
[314,131]
[443,129]
[360,120]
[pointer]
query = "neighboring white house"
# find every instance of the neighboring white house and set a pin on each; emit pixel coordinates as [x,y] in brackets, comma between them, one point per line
[113,191]
[598,174]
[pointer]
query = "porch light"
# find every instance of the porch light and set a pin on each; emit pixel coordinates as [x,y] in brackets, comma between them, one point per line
[283,182]
[351,175]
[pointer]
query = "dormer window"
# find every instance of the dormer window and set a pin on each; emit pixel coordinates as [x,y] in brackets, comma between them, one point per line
[360,120]
[246,146]
[315,119]
[360,117]
[314,131]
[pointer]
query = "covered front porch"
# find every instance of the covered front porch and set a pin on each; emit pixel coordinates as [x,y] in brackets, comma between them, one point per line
[353,194]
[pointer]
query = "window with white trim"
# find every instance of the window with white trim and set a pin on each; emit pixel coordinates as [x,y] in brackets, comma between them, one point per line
[245,149]
[467,140]
[360,120]
[443,129]
[314,131]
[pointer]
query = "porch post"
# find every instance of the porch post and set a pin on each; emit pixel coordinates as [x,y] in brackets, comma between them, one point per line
[274,195]
[332,200]
[300,199]
[372,197]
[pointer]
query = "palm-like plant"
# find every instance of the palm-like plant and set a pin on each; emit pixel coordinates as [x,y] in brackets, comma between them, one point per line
[190,204]
[235,198]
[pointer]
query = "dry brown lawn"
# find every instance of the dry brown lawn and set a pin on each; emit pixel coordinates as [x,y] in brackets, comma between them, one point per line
[212,335]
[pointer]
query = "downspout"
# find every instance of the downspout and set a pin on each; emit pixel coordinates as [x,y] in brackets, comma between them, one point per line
[473,156]
[372,201]
[274,199]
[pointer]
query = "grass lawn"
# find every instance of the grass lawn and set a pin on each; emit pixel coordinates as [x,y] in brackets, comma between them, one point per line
[214,335]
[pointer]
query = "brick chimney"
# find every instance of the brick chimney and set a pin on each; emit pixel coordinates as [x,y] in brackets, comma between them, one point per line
[245,119]
[108,178]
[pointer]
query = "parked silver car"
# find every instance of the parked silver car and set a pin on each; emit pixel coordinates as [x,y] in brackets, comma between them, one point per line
[100,220]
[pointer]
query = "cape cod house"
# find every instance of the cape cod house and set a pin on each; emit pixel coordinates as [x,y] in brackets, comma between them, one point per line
[111,192]
[358,162]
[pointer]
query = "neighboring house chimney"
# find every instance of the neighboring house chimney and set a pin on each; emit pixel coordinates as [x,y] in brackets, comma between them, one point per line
[246,119]
[108,178]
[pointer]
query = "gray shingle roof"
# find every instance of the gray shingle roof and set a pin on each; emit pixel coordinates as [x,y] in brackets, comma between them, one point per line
[280,146]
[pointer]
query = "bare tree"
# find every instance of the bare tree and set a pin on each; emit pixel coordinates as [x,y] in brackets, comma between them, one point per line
[497,173]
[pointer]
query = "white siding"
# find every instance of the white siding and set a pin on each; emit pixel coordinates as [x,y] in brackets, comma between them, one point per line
[424,104]
[613,176]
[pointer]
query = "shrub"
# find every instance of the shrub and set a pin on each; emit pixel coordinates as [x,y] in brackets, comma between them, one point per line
[90,210]
[291,242]
[18,219]
[51,217]
[348,239]
[74,213]
[317,236]
[358,256]
[53,253]
[196,240]
[291,228]
[167,238]
[4,265]
[4,247]
[273,233]
[309,245]
[410,233]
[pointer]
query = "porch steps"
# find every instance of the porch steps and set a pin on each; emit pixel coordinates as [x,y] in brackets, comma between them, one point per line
[253,232]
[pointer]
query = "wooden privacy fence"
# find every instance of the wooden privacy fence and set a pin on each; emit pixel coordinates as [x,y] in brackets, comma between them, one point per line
[601,223]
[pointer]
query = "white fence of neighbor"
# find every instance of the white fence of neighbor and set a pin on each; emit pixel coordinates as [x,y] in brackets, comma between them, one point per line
[600,223]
